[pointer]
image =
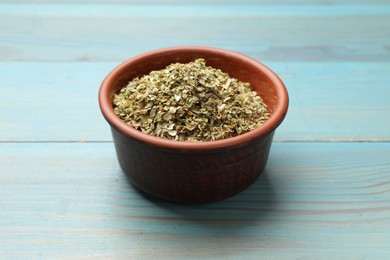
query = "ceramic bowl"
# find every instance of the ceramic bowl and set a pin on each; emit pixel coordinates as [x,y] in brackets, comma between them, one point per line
[194,171]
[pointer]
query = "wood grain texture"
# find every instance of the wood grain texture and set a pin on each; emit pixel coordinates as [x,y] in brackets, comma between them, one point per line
[328,101]
[63,198]
[315,201]
[207,2]
[103,32]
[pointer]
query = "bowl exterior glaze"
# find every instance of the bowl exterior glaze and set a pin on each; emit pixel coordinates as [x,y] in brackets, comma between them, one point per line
[194,171]
[191,176]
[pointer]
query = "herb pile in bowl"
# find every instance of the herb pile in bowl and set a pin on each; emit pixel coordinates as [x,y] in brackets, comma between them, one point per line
[190,102]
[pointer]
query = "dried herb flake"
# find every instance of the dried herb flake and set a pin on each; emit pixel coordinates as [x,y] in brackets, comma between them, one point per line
[190,102]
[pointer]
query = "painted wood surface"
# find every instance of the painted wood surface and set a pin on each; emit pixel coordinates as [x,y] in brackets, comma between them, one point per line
[314,201]
[207,2]
[104,32]
[325,193]
[328,101]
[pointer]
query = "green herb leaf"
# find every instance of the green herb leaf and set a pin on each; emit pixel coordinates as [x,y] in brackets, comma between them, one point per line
[190,102]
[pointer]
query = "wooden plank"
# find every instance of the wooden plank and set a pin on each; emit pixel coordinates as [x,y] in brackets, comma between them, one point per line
[315,201]
[54,101]
[174,10]
[69,32]
[207,2]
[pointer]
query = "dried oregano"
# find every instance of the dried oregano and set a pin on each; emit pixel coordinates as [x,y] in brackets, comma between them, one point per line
[190,102]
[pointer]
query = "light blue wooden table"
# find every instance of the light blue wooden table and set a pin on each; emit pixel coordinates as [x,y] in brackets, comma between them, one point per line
[325,193]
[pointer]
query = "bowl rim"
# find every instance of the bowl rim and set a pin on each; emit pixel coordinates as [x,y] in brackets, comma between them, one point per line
[104,98]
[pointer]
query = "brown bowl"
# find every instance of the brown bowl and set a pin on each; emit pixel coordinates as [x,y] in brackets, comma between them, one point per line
[194,171]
